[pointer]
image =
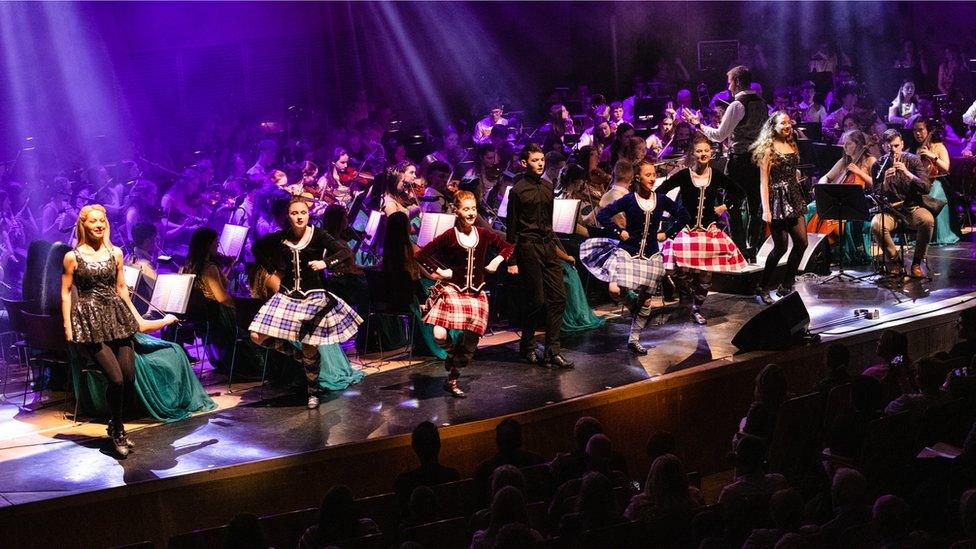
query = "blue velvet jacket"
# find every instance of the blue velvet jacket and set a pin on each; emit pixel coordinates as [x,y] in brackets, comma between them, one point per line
[635,225]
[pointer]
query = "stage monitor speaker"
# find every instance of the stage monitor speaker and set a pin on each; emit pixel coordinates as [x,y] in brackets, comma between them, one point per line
[775,328]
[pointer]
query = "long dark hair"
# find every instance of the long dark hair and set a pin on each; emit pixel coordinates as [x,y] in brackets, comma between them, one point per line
[556,120]
[397,248]
[199,252]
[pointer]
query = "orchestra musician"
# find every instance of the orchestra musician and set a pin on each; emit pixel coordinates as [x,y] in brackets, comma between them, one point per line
[853,168]
[741,122]
[935,158]
[809,108]
[482,130]
[904,108]
[901,180]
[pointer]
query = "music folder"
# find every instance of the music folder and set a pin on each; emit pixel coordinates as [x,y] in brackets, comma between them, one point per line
[565,212]
[503,207]
[172,292]
[232,239]
[131,275]
[433,225]
[373,227]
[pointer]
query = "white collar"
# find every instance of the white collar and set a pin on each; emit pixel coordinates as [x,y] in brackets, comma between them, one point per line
[303,241]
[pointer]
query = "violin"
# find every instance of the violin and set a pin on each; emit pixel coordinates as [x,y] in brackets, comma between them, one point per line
[351,175]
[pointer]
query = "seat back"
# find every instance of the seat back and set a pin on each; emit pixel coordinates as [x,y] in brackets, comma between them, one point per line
[888,446]
[539,483]
[45,333]
[15,312]
[618,535]
[443,534]
[455,499]
[285,529]
[199,539]
[796,438]
[838,403]
[944,422]
[384,511]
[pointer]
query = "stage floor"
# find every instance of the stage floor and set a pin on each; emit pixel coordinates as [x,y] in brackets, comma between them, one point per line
[43,456]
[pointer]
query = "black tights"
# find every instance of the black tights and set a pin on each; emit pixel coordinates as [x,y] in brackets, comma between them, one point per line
[780,230]
[117,360]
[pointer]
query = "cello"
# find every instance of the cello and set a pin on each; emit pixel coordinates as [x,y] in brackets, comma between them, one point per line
[831,228]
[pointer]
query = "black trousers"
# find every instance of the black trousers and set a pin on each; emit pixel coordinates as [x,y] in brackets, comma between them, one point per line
[781,231]
[541,276]
[461,352]
[746,175]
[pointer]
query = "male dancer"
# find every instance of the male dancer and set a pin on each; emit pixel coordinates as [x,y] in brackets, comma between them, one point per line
[741,122]
[529,228]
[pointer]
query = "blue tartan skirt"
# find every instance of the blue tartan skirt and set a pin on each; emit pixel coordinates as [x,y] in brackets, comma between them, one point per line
[607,261]
[319,319]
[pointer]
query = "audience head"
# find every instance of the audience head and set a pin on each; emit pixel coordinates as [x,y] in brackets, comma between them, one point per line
[749,455]
[929,375]
[507,507]
[599,452]
[422,505]
[771,385]
[893,344]
[585,428]
[244,532]
[848,487]
[891,517]
[786,509]
[596,497]
[338,518]
[966,324]
[506,475]
[508,435]
[667,484]
[426,442]
[967,512]
[661,443]
[838,357]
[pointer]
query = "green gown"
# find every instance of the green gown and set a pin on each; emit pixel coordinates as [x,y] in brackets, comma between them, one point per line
[943,234]
[165,383]
[578,317]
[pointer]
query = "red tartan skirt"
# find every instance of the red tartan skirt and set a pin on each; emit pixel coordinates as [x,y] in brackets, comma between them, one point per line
[708,250]
[452,309]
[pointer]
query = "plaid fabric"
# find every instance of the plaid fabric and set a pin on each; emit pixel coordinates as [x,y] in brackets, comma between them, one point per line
[455,310]
[605,260]
[319,319]
[708,250]
[637,274]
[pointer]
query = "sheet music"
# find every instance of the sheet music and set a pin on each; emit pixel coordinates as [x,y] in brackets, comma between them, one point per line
[564,214]
[433,225]
[373,225]
[232,239]
[503,207]
[172,292]
[131,276]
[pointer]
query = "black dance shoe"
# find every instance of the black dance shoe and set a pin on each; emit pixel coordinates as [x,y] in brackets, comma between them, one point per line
[784,291]
[452,388]
[636,348]
[531,356]
[125,437]
[763,295]
[556,360]
[117,439]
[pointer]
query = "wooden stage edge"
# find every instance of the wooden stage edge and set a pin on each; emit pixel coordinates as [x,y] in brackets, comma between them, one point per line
[701,406]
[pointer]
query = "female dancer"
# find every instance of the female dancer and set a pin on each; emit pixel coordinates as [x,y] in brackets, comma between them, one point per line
[99,320]
[634,262]
[457,260]
[303,310]
[702,248]
[782,200]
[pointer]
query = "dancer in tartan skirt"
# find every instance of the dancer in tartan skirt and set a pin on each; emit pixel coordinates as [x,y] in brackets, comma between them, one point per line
[303,310]
[456,259]
[701,247]
[634,263]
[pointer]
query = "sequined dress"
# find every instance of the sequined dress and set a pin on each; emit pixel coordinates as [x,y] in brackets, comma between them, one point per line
[786,199]
[98,314]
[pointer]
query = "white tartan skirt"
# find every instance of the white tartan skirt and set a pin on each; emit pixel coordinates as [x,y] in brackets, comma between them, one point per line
[605,260]
[319,319]
[452,309]
[709,250]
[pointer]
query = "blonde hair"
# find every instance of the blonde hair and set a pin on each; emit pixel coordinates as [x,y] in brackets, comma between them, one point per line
[764,143]
[461,196]
[81,235]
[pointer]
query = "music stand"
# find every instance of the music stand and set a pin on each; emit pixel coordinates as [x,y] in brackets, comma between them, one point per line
[841,202]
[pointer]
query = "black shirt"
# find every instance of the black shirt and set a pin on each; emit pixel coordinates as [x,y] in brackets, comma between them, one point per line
[530,205]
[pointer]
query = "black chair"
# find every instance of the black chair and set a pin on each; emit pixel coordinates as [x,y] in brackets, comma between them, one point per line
[539,483]
[196,325]
[245,309]
[446,534]
[383,509]
[15,315]
[455,499]
[385,300]
[46,343]
[285,529]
